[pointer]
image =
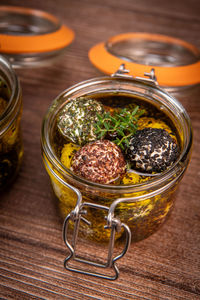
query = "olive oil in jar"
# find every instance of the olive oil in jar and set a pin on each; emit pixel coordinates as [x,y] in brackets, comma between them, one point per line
[11,149]
[143,217]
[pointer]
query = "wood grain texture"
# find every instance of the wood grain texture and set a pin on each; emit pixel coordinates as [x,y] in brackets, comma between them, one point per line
[164,266]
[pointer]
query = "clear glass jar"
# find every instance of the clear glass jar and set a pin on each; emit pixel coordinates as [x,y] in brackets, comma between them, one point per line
[143,207]
[11,147]
[31,38]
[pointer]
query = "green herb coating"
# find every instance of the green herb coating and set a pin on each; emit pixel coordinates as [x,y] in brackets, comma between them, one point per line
[77,119]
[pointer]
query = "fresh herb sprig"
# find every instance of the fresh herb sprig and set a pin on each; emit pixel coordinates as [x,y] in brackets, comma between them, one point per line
[121,125]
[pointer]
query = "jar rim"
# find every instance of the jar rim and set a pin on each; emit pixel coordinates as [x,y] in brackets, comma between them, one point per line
[67,173]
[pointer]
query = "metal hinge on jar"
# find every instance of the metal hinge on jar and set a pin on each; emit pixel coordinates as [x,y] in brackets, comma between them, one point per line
[124,73]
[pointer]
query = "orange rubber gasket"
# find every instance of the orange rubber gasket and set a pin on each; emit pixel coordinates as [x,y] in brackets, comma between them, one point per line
[20,44]
[166,76]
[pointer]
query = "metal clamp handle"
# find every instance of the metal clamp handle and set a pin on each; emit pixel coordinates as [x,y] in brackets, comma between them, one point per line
[115,225]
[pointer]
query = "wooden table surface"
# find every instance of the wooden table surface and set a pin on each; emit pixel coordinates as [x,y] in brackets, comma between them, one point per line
[164,266]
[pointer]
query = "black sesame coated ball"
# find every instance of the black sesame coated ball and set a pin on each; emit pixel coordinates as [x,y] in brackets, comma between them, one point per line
[152,150]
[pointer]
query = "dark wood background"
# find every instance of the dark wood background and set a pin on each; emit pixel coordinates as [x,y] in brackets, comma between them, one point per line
[164,266]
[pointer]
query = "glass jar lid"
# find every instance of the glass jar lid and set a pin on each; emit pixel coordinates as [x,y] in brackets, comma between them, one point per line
[176,62]
[31,37]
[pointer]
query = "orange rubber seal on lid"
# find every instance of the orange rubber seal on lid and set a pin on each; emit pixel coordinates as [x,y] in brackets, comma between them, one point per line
[166,76]
[51,41]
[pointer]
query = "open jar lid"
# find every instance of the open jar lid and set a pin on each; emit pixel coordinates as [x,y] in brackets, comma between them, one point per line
[31,37]
[176,62]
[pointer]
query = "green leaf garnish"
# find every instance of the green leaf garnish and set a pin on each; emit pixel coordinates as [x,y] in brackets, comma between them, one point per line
[122,124]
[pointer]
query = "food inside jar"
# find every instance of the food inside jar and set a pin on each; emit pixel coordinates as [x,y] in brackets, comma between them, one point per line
[11,150]
[116,140]
[105,156]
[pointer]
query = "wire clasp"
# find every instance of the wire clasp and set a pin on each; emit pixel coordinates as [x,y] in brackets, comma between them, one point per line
[113,224]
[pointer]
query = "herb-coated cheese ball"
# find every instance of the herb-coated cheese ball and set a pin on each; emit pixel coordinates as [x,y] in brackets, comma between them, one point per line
[77,118]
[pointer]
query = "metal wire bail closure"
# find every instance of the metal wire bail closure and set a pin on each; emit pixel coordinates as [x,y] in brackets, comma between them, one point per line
[114,224]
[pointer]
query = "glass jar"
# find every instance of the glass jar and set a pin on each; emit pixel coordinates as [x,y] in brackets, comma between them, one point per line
[11,147]
[140,208]
[31,37]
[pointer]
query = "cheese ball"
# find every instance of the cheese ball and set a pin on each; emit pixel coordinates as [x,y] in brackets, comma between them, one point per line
[76,120]
[101,161]
[152,150]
